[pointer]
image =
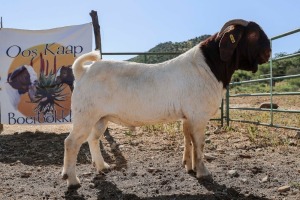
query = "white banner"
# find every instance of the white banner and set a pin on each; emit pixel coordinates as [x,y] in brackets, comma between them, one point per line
[36,76]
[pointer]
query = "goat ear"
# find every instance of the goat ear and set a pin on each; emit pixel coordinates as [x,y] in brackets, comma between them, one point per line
[229,41]
[253,36]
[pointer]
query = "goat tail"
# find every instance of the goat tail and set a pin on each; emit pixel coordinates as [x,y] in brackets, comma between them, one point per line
[78,65]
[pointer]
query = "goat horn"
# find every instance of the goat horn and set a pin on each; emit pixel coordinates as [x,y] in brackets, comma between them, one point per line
[234,22]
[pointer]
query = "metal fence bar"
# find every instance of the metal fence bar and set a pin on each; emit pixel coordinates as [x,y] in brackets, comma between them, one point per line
[222,112]
[287,56]
[265,79]
[287,77]
[265,94]
[265,124]
[285,34]
[227,106]
[264,109]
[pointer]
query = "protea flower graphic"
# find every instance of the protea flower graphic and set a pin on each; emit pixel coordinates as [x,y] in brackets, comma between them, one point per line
[48,91]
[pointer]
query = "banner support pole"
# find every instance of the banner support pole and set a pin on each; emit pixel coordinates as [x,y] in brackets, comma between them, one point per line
[1,125]
[97,34]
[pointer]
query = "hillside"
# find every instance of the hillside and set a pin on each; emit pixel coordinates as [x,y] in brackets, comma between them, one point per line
[173,47]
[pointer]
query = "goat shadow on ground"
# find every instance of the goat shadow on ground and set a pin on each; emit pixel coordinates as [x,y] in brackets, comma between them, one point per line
[109,190]
[41,149]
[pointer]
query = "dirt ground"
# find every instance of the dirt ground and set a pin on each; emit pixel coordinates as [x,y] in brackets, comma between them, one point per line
[245,164]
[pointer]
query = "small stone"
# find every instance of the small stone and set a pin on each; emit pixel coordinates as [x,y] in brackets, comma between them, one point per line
[297,135]
[153,170]
[244,180]
[207,141]
[38,169]
[25,174]
[233,173]
[284,188]
[244,155]
[168,188]
[295,191]
[268,105]
[209,157]
[86,174]
[113,146]
[150,169]
[222,151]
[91,185]
[293,143]
[256,170]
[164,182]
[133,174]
[265,179]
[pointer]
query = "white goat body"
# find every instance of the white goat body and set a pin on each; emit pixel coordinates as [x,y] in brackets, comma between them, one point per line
[135,94]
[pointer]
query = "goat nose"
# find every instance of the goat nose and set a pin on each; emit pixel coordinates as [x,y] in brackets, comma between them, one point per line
[266,56]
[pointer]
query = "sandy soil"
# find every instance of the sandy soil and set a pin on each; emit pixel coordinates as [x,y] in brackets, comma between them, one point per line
[147,165]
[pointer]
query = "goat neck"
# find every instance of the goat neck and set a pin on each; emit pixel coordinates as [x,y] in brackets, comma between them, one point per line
[223,71]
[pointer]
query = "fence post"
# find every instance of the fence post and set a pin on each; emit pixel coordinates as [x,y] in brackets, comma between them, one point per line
[1,125]
[222,113]
[97,34]
[271,87]
[227,105]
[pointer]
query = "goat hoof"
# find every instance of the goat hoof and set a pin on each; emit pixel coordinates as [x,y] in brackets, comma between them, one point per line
[74,187]
[205,178]
[104,171]
[65,177]
[191,171]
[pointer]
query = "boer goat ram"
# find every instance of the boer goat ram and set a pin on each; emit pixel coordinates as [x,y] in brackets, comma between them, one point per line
[188,88]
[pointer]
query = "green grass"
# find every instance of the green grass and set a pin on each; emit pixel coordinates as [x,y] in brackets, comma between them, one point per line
[292,85]
[171,128]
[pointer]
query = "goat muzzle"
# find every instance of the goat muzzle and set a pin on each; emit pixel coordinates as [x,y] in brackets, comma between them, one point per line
[264,57]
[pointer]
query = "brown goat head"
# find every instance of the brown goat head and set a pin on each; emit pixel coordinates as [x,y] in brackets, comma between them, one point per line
[239,45]
[245,46]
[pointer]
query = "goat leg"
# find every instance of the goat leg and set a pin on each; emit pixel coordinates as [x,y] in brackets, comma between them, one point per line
[198,138]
